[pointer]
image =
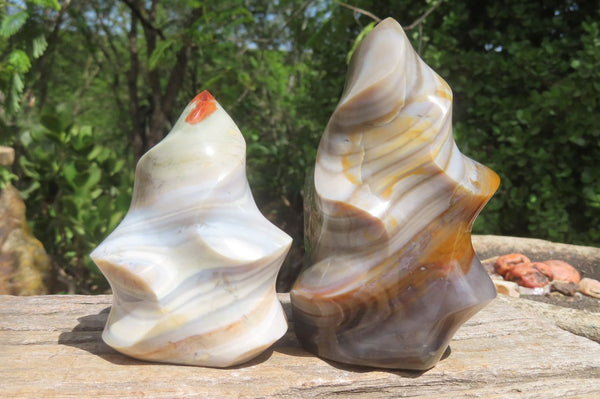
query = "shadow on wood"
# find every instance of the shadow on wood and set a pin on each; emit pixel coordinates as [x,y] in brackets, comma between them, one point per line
[399,373]
[51,346]
[87,336]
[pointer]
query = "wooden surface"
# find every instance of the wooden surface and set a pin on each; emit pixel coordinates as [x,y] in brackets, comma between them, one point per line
[50,346]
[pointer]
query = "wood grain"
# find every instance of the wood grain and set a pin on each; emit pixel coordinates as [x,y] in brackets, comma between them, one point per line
[51,347]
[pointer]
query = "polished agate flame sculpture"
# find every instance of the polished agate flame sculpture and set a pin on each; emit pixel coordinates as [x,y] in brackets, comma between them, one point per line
[392,273]
[193,264]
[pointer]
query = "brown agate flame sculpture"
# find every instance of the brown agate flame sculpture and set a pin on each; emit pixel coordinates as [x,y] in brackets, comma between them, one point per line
[392,273]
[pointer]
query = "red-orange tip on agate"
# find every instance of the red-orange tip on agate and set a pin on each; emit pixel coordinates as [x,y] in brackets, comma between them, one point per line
[205,106]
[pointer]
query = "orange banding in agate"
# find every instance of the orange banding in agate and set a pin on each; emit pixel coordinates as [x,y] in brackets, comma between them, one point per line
[205,106]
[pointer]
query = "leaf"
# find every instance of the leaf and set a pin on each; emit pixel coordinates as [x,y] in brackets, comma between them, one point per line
[114,220]
[47,3]
[95,174]
[94,153]
[367,29]
[105,154]
[12,23]
[96,193]
[210,82]
[29,168]
[6,176]
[14,96]
[245,79]
[70,173]
[25,138]
[52,122]
[39,46]
[118,166]
[33,187]
[20,60]
[159,53]
[82,138]
[18,83]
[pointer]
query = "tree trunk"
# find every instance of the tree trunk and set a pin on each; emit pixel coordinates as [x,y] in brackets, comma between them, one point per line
[149,128]
[137,138]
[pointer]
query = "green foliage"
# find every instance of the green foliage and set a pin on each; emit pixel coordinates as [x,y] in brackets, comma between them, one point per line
[19,60]
[525,78]
[76,191]
[39,46]
[47,3]
[12,23]
[15,63]
[526,82]
[15,60]
[163,48]
[6,176]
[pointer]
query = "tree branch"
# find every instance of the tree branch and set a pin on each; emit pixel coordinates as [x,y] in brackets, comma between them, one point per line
[108,34]
[357,10]
[109,59]
[90,72]
[176,79]
[153,74]
[163,104]
[147,24]
[418,21]
[422,17]
[178,73]
[291,17]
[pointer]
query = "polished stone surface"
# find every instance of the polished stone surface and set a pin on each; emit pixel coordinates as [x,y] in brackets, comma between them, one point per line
[193,264]
[391,270]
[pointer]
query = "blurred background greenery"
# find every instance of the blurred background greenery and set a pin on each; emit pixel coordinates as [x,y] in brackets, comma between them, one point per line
[88,86]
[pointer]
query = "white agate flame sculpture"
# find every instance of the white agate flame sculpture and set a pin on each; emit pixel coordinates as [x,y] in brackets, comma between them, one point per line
[193,264]
[392,272]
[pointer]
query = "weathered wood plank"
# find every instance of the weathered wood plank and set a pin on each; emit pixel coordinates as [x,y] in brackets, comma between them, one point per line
[50,346]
